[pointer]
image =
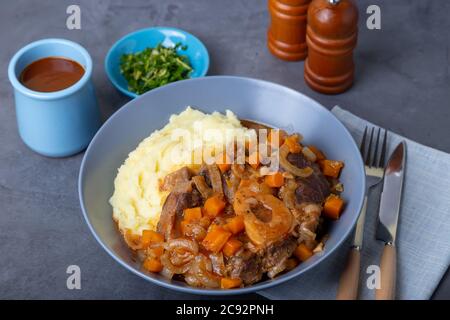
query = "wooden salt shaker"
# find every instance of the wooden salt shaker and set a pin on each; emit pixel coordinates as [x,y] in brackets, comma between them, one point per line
[286,37]
[331,36]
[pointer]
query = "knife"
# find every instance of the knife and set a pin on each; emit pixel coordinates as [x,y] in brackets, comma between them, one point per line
[388,219]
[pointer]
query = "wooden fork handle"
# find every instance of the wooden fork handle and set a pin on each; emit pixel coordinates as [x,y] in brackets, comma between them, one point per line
[388,270]
[349,282]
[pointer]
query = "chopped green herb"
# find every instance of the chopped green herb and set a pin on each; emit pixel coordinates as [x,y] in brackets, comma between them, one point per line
[154,67]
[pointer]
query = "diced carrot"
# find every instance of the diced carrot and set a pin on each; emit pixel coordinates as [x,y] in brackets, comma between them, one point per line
[293,143]
[156,252]
[224,167]
[244,183]
[134,241]
[192,214]
[253,160]
[333,207]
[229,283]
[235,224]
[275,180]
[223,161]
[302,252]
[275,133]
[331,168]
[231,247]
[214,206]
[152,265]
[216,239]
[183,224]
[319,154]
[149,236]
[204,222]
[213,226]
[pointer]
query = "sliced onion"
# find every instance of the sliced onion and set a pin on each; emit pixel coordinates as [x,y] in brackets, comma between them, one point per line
[218,265]
[186,244]
[287,194]
[165,272]
[284,162]
[318,248]
[201,267]
[312,209]
[287,175]
[216,179]
[256,187]
[238,171]
[167,263]
[199,276]
[150,251]
[192,280]
[202,187]
[156,245]
[279,267]
[311,156]
[195,231]
[306,234]
[209,280]
[264,171]
[141,254]
[133,241]
[179,255]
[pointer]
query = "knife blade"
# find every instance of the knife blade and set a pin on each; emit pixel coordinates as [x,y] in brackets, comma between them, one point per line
[391,195]
[389,209]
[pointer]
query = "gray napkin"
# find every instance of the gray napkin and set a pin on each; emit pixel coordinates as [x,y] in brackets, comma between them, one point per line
[423,237]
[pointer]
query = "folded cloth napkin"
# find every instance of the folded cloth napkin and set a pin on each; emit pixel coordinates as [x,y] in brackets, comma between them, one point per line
[423,236]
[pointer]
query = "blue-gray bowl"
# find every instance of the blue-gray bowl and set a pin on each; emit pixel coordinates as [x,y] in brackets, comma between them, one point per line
[252,99]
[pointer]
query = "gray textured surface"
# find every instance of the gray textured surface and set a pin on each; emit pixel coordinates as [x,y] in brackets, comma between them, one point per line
[402,83]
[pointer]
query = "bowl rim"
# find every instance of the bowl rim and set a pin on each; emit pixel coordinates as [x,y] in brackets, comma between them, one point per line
[53,95]
[220,292]
[144,30]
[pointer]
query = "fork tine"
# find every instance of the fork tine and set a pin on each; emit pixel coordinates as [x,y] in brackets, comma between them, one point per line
[362,146]
[375,154]
[383,150]
[369,149]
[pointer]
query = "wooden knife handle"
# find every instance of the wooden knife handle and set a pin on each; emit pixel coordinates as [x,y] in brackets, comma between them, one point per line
[349,282]
[388,270]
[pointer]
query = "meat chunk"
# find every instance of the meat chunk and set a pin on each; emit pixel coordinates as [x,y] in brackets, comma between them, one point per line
[213,178]
[231,181]
[172,211]
[176,178]
[246,265]
[276,254]
[298,160]
[250,266]
[279,251]
[202,187]
[314,188]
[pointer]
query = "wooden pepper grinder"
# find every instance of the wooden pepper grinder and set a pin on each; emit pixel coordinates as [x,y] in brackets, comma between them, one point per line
[286,37]
[331,36]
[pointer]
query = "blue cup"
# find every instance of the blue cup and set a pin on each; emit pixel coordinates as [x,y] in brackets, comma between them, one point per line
[59,123]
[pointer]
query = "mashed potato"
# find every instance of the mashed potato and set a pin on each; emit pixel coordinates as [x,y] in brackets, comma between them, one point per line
[137,198]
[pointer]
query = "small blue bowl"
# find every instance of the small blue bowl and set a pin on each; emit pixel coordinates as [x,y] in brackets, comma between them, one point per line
[151,37]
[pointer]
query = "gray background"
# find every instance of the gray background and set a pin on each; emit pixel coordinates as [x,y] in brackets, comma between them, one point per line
[402,83]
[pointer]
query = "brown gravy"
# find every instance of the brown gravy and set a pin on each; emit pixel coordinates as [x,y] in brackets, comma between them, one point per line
[51,74]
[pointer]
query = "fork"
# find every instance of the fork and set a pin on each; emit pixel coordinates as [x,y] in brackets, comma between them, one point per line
[373,156]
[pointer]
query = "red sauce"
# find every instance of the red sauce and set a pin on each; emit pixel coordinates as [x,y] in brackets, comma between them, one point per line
[51,74]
